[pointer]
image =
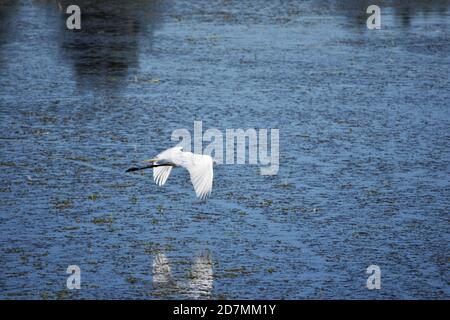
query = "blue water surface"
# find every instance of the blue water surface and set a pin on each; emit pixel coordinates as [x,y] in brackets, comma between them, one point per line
[364,123]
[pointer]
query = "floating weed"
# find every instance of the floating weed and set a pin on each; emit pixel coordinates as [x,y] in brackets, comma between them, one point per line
[103,220]
[7,164]
[17,274]
[271,270]
[62,294]
[70,228]
[44,295]
[17,294]
[285,185]
[229,195]
[267,203]
[153,248]
[14,250]
[371,192]
[93,197]
[202,216]
[62,204]
[241,197]
[134,199]
[234,273]
[48,120]
[176,17]
[131,280]
[359,234]
[242,213]
[80,158]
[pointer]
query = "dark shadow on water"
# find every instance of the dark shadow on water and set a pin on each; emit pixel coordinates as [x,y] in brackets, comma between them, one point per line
[8,11]
[404,11]
[107,47]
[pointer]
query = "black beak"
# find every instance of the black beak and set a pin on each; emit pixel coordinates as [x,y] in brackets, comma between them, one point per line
[137,168]
[146,167]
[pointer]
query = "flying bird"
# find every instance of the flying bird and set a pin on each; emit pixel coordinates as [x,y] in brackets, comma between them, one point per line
[200,169]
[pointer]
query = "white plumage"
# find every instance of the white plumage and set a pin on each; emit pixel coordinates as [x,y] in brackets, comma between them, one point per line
[200,169]
[160,174]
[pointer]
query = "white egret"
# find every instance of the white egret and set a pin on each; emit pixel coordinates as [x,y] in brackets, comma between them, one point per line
[200,169]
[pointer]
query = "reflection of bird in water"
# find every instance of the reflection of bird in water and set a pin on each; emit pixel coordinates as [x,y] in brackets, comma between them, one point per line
[201,277]
[200,168]
[162,275]
[199,283]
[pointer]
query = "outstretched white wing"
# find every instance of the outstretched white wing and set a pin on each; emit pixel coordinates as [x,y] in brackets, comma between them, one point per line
[160,174]
[201,172]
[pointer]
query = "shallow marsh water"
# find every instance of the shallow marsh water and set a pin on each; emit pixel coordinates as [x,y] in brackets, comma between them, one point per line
[364,123]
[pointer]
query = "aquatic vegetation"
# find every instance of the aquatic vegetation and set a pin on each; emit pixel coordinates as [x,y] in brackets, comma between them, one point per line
[103,220]
[363,126]
[131,279]
[93,197]
[233,272]
[45,295]
[62,204]
[359,234]
[62,294]
[8,164]
[14,250]
[266,203]
[70,228]
[134,199]
[242,213]
[286,185]
[154,248]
